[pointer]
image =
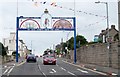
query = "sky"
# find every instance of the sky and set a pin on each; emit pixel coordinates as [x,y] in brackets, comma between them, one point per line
[87,24]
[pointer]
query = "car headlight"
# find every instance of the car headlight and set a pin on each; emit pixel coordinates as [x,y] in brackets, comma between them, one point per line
[45,60]
[54,59]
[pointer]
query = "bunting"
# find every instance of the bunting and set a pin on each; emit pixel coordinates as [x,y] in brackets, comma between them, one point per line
[71,9]
[79,11]
[96,22]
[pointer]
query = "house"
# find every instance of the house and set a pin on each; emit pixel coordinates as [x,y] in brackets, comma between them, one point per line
[10,42]
[113,35]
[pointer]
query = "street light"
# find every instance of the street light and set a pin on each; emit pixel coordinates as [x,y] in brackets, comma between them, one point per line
[108,34]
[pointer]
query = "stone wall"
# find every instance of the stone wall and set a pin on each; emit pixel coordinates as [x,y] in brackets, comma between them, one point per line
[97,54]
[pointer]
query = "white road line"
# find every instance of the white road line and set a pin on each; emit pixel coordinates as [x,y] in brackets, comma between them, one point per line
[5,66]
[6,70]
[57,65]
[82,71]
[114,74]
[86,68]
[63,69]
[39,67]
[70,73]
[41,71]
[53,70]
[10,71]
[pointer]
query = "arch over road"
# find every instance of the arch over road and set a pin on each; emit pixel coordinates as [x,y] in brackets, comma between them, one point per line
[60,24]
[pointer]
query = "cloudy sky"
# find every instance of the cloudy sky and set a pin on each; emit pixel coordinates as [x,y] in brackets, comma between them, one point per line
[90,19]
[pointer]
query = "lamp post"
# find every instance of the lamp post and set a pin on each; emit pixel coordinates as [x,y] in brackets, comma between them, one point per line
[108,34]
[119,35]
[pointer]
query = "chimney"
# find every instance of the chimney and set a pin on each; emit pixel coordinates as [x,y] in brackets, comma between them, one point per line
[102,31]
[112,26]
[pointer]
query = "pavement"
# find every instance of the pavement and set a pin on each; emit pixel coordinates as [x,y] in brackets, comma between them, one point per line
[13,62]
[107,70]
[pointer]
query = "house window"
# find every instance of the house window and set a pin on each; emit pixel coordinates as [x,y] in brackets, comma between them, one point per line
[9,41]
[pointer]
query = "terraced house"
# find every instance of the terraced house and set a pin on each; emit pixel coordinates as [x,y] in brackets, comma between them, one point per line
[113,34]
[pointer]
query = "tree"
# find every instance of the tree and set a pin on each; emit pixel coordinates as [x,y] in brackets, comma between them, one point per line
[3,50]
[79,39]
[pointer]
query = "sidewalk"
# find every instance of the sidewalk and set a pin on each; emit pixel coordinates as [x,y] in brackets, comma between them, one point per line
[107,70]
[20,60]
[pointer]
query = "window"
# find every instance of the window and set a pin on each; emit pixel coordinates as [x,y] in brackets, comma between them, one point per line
[9,41]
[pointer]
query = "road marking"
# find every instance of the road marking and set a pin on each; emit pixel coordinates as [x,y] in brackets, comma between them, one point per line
[5,66]
[82,71]
[44,74]
[71,73]
[114,74]
[39,67]
[6,70]
[10,71]
[41,71]
[21,63]
[57,65]
[85,68]
[53,70]
[63,69]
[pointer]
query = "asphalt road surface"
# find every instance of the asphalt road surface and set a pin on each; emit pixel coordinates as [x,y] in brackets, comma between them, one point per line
[61,68]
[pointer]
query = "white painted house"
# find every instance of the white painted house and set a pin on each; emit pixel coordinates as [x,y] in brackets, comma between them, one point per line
[11,43]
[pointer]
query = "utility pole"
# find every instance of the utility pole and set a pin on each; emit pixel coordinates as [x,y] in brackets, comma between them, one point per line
[119,34]
[108,34]
[31,45]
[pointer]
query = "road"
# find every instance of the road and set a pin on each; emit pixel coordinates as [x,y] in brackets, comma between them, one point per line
[62,69]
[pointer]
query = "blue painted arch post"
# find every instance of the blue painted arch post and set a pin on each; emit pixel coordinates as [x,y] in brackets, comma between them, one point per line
[17,29]
[17,26]
[75,60]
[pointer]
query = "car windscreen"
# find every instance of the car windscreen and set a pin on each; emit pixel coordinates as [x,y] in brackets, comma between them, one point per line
[50,56]
[31,55]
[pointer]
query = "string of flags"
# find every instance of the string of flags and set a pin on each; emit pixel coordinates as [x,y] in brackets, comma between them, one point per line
[97,22]
[54,4]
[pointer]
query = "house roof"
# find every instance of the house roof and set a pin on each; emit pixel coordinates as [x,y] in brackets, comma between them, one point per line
[22,41]
[104,32]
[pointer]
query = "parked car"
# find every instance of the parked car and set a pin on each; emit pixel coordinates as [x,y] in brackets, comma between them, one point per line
[49,59]
[31,57]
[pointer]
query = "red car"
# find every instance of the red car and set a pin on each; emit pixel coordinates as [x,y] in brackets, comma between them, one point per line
[48,59]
